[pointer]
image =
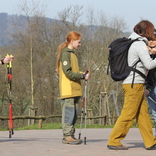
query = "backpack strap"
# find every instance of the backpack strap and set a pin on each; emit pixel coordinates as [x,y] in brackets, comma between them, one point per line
[139,72]
[133,68]
[108,68]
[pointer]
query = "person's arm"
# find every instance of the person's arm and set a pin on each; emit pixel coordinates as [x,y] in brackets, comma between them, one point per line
[143,54]
[151,79]
[6,60]
[67,69]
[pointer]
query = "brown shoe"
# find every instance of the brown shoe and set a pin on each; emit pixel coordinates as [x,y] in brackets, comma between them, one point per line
[71,140]
[120,147]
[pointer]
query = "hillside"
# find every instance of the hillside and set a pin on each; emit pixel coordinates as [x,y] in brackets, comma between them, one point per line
[7,28]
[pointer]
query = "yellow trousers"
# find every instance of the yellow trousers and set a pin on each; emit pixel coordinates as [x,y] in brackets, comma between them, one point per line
[135,107]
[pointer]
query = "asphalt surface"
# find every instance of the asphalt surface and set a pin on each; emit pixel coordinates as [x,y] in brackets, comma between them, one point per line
[49,143]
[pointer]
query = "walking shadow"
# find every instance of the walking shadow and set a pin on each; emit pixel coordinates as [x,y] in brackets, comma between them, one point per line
[136,145]
[96,140]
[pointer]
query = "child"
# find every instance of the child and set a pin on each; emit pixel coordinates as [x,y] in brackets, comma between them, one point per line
[70,85]
[151,83]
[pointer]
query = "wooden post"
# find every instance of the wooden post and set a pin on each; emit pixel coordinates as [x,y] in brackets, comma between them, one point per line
[89,113]
[100,113]
[32,112]
[40,123]
[104,108]
[107,107]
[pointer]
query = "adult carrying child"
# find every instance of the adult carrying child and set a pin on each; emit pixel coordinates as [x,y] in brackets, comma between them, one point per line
[135,104]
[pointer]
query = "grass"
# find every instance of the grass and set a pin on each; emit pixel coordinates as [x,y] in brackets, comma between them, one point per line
[58,126]
[44,126]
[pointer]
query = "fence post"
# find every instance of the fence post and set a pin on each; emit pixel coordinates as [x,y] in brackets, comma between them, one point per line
[32,112]
[89,113]
[40,122]
[104,108]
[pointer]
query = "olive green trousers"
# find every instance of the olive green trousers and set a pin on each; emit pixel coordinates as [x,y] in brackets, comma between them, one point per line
[70,108]
[135,107]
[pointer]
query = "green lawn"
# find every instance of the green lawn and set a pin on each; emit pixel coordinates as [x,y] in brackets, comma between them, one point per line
[58,126]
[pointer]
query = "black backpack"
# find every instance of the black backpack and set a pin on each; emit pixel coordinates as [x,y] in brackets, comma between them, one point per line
[118,64]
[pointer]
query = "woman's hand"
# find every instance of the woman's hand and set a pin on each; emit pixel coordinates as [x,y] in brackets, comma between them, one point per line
[147,92]
[152,50]
[86,74]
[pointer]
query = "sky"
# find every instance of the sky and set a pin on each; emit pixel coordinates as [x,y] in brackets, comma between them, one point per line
[132,11]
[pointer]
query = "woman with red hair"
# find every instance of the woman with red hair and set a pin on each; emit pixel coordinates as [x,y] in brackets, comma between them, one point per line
[70,85]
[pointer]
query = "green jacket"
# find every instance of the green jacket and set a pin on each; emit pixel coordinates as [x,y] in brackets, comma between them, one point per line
[69,75]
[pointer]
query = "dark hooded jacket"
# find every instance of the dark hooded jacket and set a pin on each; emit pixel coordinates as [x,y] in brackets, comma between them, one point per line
[151,77]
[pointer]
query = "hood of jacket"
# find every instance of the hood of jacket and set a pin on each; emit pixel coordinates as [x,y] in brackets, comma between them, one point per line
[135,36]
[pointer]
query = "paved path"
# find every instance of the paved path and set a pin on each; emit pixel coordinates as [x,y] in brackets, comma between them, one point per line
[48,143]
